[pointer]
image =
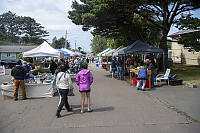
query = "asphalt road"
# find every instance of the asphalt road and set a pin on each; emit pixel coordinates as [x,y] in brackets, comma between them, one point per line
[117,107]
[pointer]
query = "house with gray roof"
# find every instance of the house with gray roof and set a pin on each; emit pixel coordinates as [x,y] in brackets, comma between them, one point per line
[181,54]
[10,52]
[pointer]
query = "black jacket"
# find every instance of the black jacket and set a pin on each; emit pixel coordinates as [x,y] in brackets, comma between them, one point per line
[18,72]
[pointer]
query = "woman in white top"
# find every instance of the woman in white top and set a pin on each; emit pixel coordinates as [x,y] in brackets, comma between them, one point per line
[64,83]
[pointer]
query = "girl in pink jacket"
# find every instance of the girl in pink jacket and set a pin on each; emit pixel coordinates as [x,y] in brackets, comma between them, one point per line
[84,79]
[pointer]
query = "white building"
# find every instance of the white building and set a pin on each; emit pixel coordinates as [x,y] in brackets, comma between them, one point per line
[180,54]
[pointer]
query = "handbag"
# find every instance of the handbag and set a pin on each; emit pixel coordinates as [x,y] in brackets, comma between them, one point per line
[71,90]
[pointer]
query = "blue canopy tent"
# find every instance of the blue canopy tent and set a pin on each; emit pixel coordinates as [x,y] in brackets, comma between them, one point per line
[65,53]
[79,54]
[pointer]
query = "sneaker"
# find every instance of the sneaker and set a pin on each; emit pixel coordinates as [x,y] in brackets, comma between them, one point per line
[82,111]
[89,110]
[69,110]
[58,115]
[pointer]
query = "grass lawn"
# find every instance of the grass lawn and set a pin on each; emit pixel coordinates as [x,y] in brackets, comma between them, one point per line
[186,72]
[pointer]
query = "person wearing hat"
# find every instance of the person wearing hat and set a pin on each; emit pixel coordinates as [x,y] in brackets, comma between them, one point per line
[18,72]
[150,66]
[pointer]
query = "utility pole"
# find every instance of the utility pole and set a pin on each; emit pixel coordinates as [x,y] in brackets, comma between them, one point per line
[75,45]
[66,39]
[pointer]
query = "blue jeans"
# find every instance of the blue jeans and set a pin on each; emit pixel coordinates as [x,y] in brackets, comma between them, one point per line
[119,71]
[139,84]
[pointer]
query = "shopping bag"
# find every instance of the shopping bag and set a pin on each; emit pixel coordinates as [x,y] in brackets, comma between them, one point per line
[71,92]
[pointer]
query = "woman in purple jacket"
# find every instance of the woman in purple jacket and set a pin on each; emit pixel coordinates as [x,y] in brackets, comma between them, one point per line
[84,79]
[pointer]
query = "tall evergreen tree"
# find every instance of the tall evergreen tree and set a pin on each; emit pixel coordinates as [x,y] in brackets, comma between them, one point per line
[21,29]
[118,19]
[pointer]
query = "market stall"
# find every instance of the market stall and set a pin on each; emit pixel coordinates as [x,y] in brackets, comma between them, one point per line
[39,84]
[32,90]
[137,48]
[43,50]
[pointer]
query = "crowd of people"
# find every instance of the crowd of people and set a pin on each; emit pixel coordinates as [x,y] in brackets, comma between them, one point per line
[61,69]
[118,64]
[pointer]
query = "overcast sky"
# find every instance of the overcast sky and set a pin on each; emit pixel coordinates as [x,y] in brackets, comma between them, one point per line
[52,14]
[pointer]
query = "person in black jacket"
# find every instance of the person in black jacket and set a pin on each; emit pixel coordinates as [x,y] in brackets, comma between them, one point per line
[53,67]
[150,66]
[18,72]
[119,67]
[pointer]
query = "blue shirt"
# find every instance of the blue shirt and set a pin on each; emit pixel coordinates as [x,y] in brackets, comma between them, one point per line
[27,68]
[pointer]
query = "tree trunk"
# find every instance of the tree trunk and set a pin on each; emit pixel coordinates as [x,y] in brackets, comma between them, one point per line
[163,45]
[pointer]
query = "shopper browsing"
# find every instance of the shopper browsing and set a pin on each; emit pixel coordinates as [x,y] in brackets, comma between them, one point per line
[141,79]
[18,72]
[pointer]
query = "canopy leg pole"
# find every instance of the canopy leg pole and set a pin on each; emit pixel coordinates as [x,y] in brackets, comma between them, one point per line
[124,67]
[107,63]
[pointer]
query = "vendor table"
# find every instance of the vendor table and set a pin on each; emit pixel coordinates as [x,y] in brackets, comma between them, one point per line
[32,90]
[136,72]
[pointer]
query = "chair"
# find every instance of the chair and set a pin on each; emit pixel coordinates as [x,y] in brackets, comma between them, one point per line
[161,77]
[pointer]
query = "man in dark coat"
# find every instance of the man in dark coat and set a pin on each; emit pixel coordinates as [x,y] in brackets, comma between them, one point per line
[151,67]
[18,72]
[53,67]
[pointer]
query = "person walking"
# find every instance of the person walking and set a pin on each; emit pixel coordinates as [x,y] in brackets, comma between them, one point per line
[19,72]
[64,83]
[84,79]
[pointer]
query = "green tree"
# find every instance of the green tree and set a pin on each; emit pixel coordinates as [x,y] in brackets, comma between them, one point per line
[79,49]
[118,19]
[20,29]
[98,44]
[164,14]
[60,43]
[190,40]
[115,20]
[53,44]
[187,22]
[33,31]
[9,24]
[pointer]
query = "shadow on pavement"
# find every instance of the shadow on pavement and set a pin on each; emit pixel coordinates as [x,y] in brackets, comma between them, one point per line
[103,109]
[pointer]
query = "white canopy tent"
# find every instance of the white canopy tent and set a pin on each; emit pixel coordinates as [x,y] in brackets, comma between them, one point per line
[106,50]
[42,50]
[105,54]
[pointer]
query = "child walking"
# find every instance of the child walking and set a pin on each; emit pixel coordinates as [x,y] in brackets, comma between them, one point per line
[84,79]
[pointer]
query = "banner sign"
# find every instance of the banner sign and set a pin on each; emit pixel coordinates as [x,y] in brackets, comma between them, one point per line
[2,70]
